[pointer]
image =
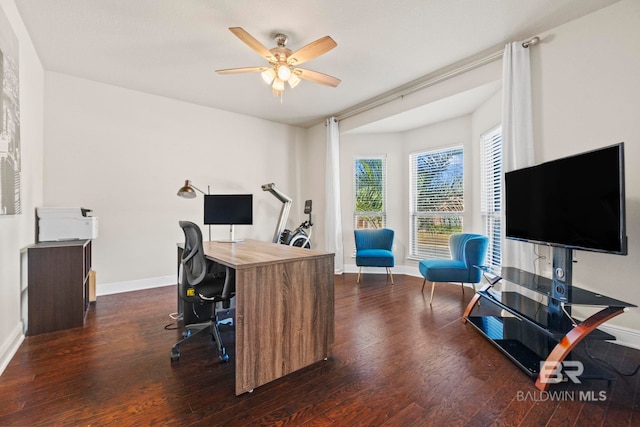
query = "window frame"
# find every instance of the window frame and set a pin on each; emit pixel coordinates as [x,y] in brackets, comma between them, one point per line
[383,210]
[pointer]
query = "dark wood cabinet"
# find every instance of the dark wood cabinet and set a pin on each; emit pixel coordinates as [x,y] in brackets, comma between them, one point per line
[57,285]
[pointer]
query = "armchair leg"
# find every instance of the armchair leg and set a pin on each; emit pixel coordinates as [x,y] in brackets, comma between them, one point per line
[473,285]
[390,274]
[359,273]
[424,282]
[433,288]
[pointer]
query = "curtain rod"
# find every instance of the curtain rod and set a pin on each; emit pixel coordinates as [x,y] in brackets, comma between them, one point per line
[427,81]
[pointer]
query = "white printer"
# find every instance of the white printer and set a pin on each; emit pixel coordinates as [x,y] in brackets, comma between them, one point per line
[56,224]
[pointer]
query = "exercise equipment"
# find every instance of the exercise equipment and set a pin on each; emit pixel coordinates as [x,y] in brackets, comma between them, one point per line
[301,236]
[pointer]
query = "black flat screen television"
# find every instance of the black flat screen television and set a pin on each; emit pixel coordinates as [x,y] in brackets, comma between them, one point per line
[229,209]
[576,202]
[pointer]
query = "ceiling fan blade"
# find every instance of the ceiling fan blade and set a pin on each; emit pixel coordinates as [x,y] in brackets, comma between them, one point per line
[312,50]
[254,44]
[317,77]
[241,70]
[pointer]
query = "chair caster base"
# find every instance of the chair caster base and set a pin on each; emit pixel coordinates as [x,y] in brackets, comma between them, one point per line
[175,355]
[224,358]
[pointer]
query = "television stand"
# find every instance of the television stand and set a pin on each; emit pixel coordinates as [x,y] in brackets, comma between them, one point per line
[528,318]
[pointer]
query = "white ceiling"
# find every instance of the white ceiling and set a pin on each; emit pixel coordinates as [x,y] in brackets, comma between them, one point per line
[171,48]
[443,109]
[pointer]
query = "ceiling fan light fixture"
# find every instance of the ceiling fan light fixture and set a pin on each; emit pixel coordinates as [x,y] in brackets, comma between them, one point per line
[293,80]
[282,61]
[278,85]
[284,72]
[268,75]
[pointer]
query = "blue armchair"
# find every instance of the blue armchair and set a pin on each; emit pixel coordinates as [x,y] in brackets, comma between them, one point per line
[374,249]
[467,251]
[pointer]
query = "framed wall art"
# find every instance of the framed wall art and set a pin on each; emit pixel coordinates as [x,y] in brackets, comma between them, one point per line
[10,203]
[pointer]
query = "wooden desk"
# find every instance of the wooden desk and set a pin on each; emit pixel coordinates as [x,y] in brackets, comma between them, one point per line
[284,308]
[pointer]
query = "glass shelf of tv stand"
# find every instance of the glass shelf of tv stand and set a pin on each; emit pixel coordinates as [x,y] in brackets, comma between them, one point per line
[530,297]
[545,286]
[519,313]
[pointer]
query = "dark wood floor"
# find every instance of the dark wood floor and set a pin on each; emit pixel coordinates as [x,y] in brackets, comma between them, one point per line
[396,362]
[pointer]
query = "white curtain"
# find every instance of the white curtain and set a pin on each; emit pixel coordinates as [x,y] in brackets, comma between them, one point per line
[517,136]
[333,215]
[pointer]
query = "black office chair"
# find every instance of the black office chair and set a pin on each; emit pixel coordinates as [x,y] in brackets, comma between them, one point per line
[203,281]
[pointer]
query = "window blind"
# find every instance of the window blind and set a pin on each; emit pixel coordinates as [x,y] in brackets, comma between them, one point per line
[436,201]
[491,195]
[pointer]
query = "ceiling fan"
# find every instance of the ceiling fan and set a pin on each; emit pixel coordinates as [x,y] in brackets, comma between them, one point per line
[283,63]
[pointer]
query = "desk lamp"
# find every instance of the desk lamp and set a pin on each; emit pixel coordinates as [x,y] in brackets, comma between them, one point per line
[188,191]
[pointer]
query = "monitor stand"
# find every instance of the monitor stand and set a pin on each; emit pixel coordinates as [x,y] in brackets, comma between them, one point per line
[232,238]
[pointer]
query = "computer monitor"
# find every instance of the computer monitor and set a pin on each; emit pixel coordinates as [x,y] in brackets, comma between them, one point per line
[228,209]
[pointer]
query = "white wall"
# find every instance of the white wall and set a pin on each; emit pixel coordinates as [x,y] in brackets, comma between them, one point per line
[125,153]
[313,154]
[17,231]
[586,95]
[486,74]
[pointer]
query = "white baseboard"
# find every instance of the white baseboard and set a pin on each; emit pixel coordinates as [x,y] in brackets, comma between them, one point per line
[134,285]
[10,346]
[398,269]
[624,336]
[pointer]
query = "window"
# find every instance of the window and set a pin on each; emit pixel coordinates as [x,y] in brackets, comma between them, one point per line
[369,180]
[437,202]
[491,194]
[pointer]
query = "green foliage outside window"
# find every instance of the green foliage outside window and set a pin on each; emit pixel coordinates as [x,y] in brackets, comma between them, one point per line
[369,192]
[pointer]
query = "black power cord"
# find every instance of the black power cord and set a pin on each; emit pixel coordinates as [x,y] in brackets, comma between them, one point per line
[587,350]
[173,325]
